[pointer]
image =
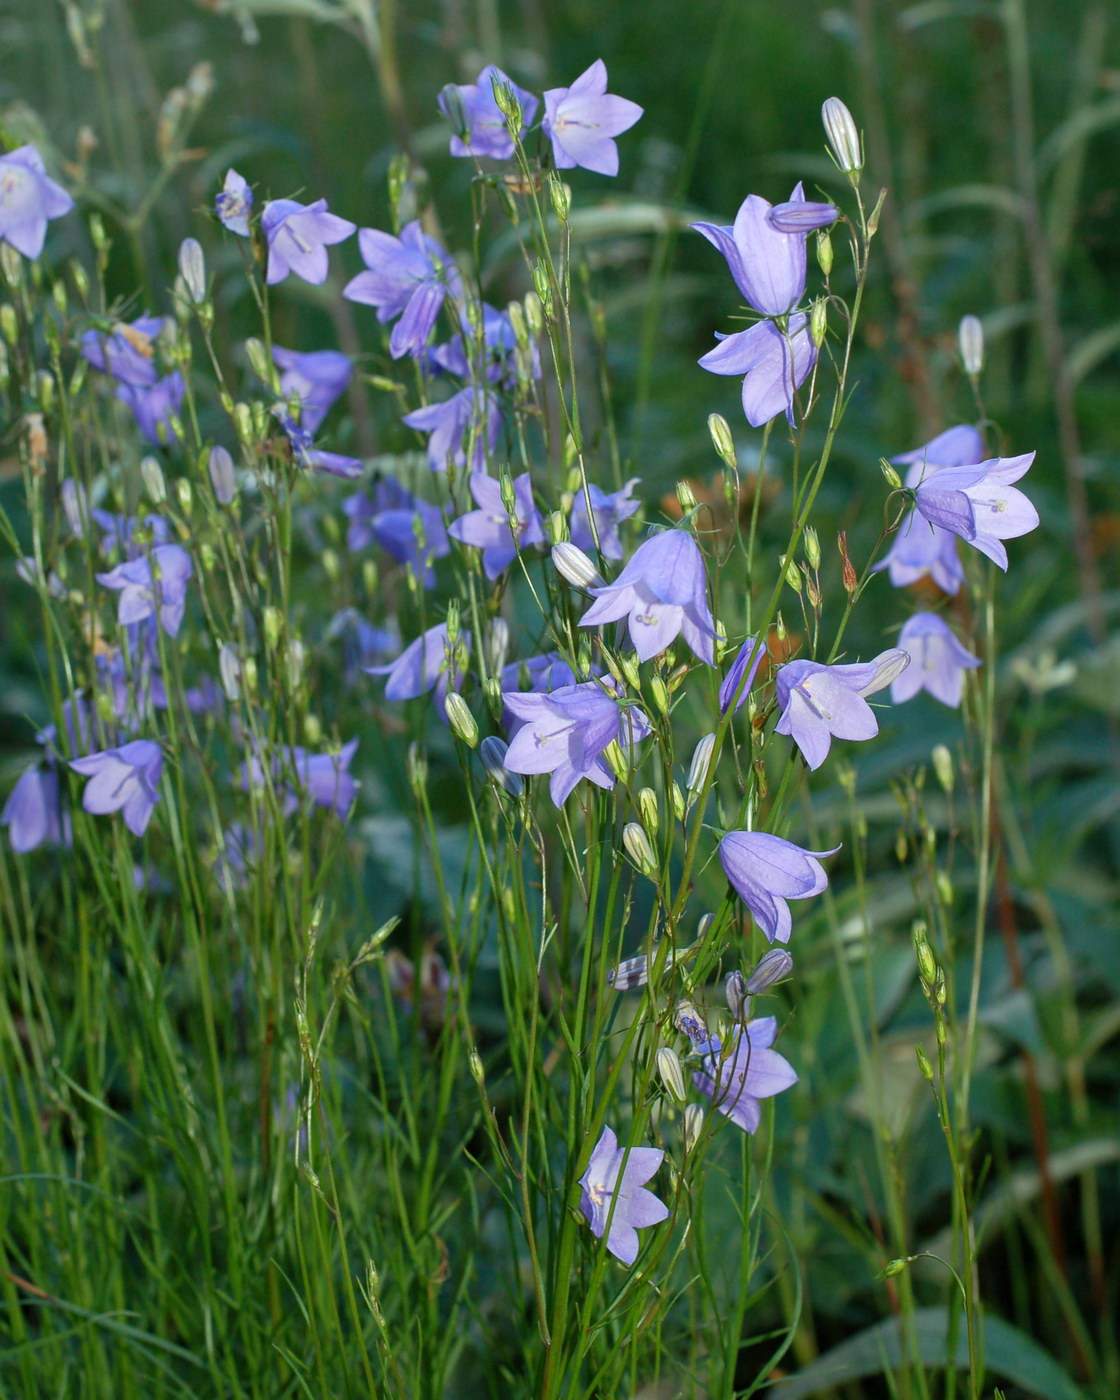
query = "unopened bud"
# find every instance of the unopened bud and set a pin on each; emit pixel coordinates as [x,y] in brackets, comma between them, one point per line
[492,753]
[9,325]
[273,620]
[847,568]
[628,665]
[893,480]
[556,527]
[543,288]
[686,497]
[773,967]
[534,313]
[474,1064]
[295,660]
[192,269]
[261,363]
[575,567]
[672,1075]
[843,136]
[677,796]
[812,548]
[791,572]
[312,730]
[220,468]
[818,321]
[944,888]
[416,768]
[229,670]
[896,1266]
[700,767]
[561,196]
[970,337]
[615,760]
[735,993]
[637,846]
[927,965]
[924,1064]
[459,717]
[454,622]
[647,806]
[693,1126]
[722,440]
[450,103]
[824,251]
[630,973]
[660,692]
[154,484]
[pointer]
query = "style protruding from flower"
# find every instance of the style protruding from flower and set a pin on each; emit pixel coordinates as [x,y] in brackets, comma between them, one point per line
[582,121]
[565,733]
[937,661]
[298,236]
[979,504]
[123,780]
[613,1197]
[29,198]
[766,871]
[662,591]
[748,1072]
[484,131]
[819,701]
[488,527]
[407,277]
[234,204]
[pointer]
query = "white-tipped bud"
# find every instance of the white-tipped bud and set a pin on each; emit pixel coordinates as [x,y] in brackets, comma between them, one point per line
[575,567]
[970,337]
[672,1075]
[75,505]
[260,362]
[637,846]
[774,966]
[700,767]
[492,752]
[735,993]
[812,548]
[824,251]
[229,669]
[220,467]
[556,527]
[722,440]
[693,1126]
[295,659]
[459,717]
[192,269]
[497,645]
[647,805]
[154,484]
[843,136]
[628,666]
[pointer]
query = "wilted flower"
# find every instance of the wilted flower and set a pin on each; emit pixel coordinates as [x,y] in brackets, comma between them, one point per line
[123,779]
[484,131]
[428,663]
[469,420]
[608,510]
[318,379]
[298,235]
[144,589]
[734,683]
[819,701]
[565,733]
[937,661]
[613,1189]
[663,591]
[407,277]
[488,528]
[234,204]
[28,198]
[581,121]
[766,871]
[750,1071]
[127,351]
[979,504]
[776,363]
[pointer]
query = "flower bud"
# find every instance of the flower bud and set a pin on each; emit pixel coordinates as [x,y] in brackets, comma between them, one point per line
[229,671]
[824,251]
[556,527]
[75,505]
[152,474]
[660,692]
[970,337]
[459,717]
[812,548]
[647,805]
[735,993]
[261,363]
[616,761]
[312,730]
[773,967]
[818,321]
[295,661]
[416,767]
[843,136]
[575,567]
[677,798]
[474,1064]
[492,753]
[927,966]
[630,973]
[686,497]
[700,767]
[543,288]
[893,480]
[943,766]
[636,844]
[185,491]
[672,1075]
[790,571]
[534,313]
[273,620]
[722,440]
[220,467]
[896,1266]
[924,1064]
[192,269]
[561,196]
[450,103]
[693,1126]
[9,325]
[628,665]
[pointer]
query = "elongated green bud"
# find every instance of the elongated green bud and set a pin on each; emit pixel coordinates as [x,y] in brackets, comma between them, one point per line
[824,251]
[722,440]
[672,1075]
[660,692]
[459,717]
[616,761]
[818,321]
[943,766]
[893,480]
[647,806]
[637,846]
[154,484]
[970,337]
[693,1126]
[700,767]
[924,1064]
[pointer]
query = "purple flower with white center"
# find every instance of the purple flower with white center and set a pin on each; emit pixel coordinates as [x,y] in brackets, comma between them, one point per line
[234,204]
[734,678]
[318,379]
[613,1197]
[122,780]
[409,277]
[127,352]
[468,421]
[428,663]
[766,871]
[937,661]
[488,528]
[609,510]
[33,812]
[154,406]
[409,528]
[143,588]
[486,133]
[312,457]
[298,235]
[768,265]
[776,363]
[819,701]
[28,199]
[750,1071]
[582,121]
[979,504]
[565,732]
[663,590]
